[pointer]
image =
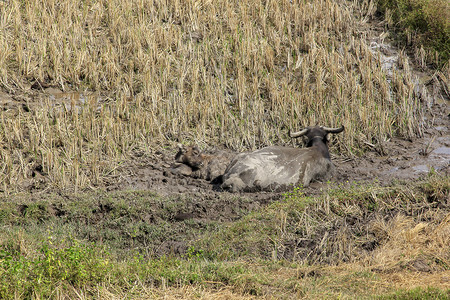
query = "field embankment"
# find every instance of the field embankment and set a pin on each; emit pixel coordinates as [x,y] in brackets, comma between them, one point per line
[357,241]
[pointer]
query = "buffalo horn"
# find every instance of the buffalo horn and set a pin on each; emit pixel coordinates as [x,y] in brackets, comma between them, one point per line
[298,134]
[333,130]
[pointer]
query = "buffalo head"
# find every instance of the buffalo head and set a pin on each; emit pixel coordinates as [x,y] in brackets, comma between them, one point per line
[190,155]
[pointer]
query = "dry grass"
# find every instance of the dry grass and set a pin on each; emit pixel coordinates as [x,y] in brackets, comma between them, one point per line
[412,245]
[217,72]
[140,291]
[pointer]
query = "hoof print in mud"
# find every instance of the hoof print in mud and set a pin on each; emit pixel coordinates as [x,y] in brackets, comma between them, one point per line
[183,216]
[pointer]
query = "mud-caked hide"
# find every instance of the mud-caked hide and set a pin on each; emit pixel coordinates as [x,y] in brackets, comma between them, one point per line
[276,167]
[209,166]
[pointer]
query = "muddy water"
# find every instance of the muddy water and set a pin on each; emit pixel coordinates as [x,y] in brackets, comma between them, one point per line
[388,56]
[408,160]
[72,100]
[54,97]
[68,97]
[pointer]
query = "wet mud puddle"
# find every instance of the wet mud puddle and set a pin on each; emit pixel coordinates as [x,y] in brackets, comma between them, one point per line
[72,100]
[405,159]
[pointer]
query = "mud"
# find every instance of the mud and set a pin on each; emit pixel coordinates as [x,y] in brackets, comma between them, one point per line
[402,159]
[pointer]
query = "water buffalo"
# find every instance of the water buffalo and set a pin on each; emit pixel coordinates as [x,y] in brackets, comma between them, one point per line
[276,167]
[209,166]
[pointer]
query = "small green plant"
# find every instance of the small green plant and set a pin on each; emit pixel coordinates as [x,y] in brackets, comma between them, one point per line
[73,264]
[297,192]
[193,253]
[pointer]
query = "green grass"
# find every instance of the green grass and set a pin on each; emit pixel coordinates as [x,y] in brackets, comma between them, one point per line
[418,294]
[71,263]
[422,23]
